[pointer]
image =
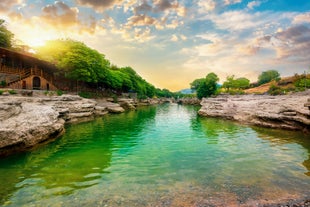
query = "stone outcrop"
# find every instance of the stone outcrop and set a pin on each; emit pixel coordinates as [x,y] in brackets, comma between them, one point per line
[285,112]
[28,121]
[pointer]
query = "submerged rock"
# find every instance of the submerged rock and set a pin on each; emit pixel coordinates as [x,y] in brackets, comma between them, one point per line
[285,112]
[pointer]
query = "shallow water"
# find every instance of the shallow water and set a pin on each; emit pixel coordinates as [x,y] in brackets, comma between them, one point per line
[160,156]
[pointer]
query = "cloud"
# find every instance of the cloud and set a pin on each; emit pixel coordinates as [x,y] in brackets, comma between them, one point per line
[141,20]
[162,5]
[228,2]
[295,42]
[143,35]
[235,20]
[5,5]
[174,38]
[143,8]
[253,4]
[302,18]
[206,5]
[99,5]
[60,15]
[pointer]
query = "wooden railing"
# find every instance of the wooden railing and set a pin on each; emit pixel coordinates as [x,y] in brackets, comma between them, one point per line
[23,73]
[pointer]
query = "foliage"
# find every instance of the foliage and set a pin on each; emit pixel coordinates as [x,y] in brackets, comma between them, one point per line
[196,83]
[81,63]
[164,93]
[206,86]
[6,37]
[3,83]
[75,59]
[275,90]
[84,94]
[237,84]
[12,92]
[59,92]
[1,92]
[267,76]
[302,82]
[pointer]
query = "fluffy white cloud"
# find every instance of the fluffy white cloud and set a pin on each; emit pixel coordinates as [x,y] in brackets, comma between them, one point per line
[99,6]
[5,5]
[253,4]
[206,5]
[302,18]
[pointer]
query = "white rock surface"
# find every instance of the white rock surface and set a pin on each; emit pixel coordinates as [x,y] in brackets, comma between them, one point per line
[286,112]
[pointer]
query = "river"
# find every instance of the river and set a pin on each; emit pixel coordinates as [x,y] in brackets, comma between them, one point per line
[164,155]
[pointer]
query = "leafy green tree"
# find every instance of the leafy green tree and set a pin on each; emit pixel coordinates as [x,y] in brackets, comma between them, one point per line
[208,87]
[196,83]
[267,76]
[229,83]
[76,60]
[242,83]
[232,83]
[6,37]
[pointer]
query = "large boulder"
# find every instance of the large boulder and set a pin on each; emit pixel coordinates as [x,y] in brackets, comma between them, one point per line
[286,112]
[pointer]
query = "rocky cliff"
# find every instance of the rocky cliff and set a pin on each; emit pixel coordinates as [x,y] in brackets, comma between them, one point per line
[285,112]
[28,121]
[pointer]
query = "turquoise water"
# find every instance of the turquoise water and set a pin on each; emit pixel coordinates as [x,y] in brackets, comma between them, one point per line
[160,156]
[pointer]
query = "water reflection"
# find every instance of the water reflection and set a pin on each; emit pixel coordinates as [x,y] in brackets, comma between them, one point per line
[164,156]
[283,138]
[77,160]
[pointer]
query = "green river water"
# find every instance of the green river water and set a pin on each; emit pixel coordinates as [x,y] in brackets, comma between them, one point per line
[160,156]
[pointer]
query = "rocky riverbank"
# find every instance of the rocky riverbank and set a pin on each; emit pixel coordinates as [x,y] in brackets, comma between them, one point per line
[28,121]
[290,112]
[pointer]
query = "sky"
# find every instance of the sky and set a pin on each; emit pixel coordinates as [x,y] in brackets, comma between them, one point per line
[170,43]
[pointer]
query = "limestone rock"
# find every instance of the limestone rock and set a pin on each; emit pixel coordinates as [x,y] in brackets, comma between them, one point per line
[128,104]
[286,112]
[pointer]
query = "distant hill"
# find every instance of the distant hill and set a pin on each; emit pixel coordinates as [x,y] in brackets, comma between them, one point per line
[187,91]
[286,84]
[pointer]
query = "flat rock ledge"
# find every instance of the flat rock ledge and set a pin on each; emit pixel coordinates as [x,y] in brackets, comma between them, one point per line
[291,112]
[28,121]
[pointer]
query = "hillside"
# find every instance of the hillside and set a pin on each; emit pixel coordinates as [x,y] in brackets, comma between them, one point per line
[286,84]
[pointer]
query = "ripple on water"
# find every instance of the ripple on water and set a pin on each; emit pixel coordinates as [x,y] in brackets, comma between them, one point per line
[160,156]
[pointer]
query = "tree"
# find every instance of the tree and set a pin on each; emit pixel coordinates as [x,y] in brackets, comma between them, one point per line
[76,60]
[6,37]
[267,76]
[207,87]
[242,83]
[239,83]
[196,83]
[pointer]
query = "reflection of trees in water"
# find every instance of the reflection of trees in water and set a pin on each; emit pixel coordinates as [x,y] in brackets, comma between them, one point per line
[282,137]
[213,128]
[78,159]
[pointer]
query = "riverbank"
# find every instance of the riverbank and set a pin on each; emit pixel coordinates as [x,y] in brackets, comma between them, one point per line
[28,121]
[290,112]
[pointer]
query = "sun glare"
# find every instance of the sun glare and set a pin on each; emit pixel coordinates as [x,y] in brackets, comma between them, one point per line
[36,42]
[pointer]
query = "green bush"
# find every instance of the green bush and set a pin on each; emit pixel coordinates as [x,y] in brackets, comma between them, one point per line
[275,90]
[1,92]
[59,92]
[12,92]
[3,83]
[85,94]
[303,83]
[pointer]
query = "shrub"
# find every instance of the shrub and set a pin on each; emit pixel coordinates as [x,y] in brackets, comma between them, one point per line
[3,83]
[59,92]
[1,92]
[12,92]
[85,94]
[275,90]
